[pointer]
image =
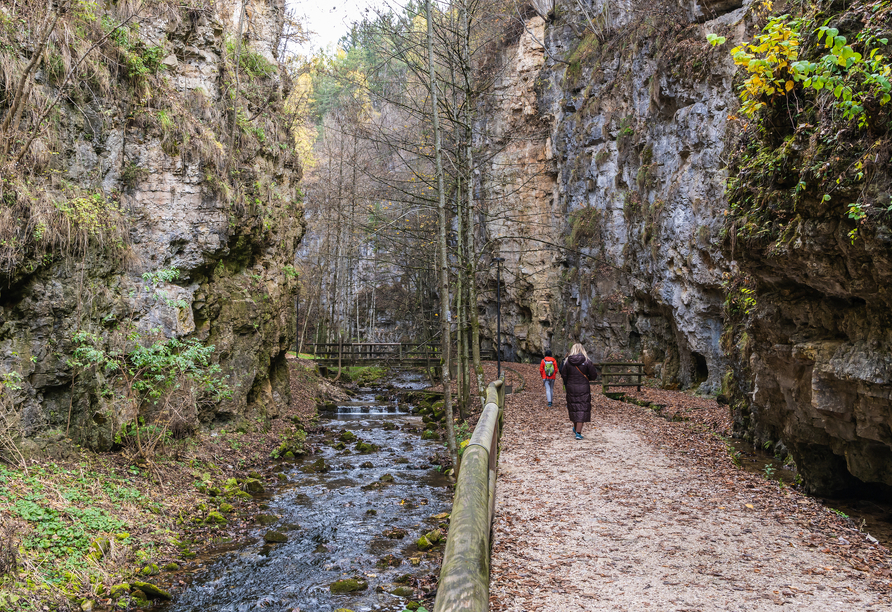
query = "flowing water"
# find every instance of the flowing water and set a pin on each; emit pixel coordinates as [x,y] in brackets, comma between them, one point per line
[336,521]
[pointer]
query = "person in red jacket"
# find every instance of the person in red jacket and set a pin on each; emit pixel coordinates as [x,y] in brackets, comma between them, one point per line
[548,368]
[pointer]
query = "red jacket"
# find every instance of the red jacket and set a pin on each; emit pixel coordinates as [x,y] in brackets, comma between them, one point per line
[542,368]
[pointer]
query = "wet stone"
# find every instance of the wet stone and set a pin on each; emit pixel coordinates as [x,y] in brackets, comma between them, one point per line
[403,591]
[367,465]
[347,436]
[386,478]
[317,467]
[349,585]
[388,426]
[395,533]
[266,519]
[274,537]
[389,561]
[149,590]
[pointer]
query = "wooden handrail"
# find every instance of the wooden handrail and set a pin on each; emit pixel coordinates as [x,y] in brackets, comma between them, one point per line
[464,573]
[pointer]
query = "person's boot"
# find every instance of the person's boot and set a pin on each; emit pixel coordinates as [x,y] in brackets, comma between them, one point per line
[549,404]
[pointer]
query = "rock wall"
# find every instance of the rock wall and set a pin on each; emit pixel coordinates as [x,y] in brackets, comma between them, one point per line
[184,193]
[613,154]
[623,132]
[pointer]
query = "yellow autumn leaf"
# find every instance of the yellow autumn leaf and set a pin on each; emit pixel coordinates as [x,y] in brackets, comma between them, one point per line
[789,85]
[750,506]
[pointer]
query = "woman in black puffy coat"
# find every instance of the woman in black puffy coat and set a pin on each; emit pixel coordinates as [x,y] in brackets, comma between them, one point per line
[576,372]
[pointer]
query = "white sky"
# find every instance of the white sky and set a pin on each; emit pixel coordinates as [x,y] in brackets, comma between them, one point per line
[329,19]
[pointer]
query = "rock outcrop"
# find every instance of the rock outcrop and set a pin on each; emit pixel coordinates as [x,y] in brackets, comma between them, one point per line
[606,197]
[200,223]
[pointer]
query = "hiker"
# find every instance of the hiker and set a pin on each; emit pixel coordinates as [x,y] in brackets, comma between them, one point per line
[548,370]
[576,372]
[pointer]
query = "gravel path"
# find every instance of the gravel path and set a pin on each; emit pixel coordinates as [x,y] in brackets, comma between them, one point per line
[648,514]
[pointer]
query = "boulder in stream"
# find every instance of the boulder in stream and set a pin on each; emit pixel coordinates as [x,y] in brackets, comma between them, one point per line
[366,447]
[347,436]
[274,537]
[367,465]
[423,543]
[429,435]
[386,478]
[403,591]
[317,467]
[395,533]
[150,590]
[349,585]
[266,519]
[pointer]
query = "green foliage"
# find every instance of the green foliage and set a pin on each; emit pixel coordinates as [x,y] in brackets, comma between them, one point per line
[290,271]
[769,471]
[251,63]
[740,294]
[63,533]
[767,60]
[773,67]
[93,214]
[839,513]
[154,369]
[139,59]
[716,40]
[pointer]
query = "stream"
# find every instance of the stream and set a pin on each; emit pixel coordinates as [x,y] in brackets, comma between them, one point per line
[341,523]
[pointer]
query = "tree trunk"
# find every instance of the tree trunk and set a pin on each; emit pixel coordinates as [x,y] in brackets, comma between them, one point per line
[444,268]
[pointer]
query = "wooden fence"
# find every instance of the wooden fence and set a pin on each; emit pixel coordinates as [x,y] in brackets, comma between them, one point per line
[621,374]
[464,574]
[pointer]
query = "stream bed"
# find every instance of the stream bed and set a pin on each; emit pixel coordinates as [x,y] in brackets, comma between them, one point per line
[359,516]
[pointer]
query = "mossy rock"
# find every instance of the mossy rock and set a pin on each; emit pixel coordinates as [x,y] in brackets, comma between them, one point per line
[426,419]
[274,537]
[266,519]
[339,446]
[395,533]
[386,478]
[253,486]
[255,475]
[389,561]
[100,547]
[429,435]
[366,447]
[400,461]
[226,508]
[347,436]
[439,415]
[423,543]
[215,518]
[434,536]
[151,591]
[367,465]
[343,610]
[349,585]
[403,591]
[139,597]
[412,605]
[150,570]
[317,467]
[119,590]
[373,486]
[171,567]
[389,426]
[423,410]
[404,579]
[281,476]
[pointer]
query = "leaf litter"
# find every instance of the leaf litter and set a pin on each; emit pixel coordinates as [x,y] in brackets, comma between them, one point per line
[647,513]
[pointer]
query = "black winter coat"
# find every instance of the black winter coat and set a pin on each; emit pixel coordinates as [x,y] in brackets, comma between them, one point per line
[576,372]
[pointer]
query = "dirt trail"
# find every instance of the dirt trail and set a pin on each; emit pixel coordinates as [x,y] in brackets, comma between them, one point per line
[647,514]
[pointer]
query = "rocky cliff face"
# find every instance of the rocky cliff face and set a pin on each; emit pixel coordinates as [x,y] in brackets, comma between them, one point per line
[627,245]
[624,167]
[186,217]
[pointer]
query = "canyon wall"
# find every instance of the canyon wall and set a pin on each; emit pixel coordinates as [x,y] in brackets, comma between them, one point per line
[186,218]
[606,197]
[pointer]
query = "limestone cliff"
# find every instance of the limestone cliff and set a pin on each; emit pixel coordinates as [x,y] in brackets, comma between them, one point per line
[182,217]
[621,134]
